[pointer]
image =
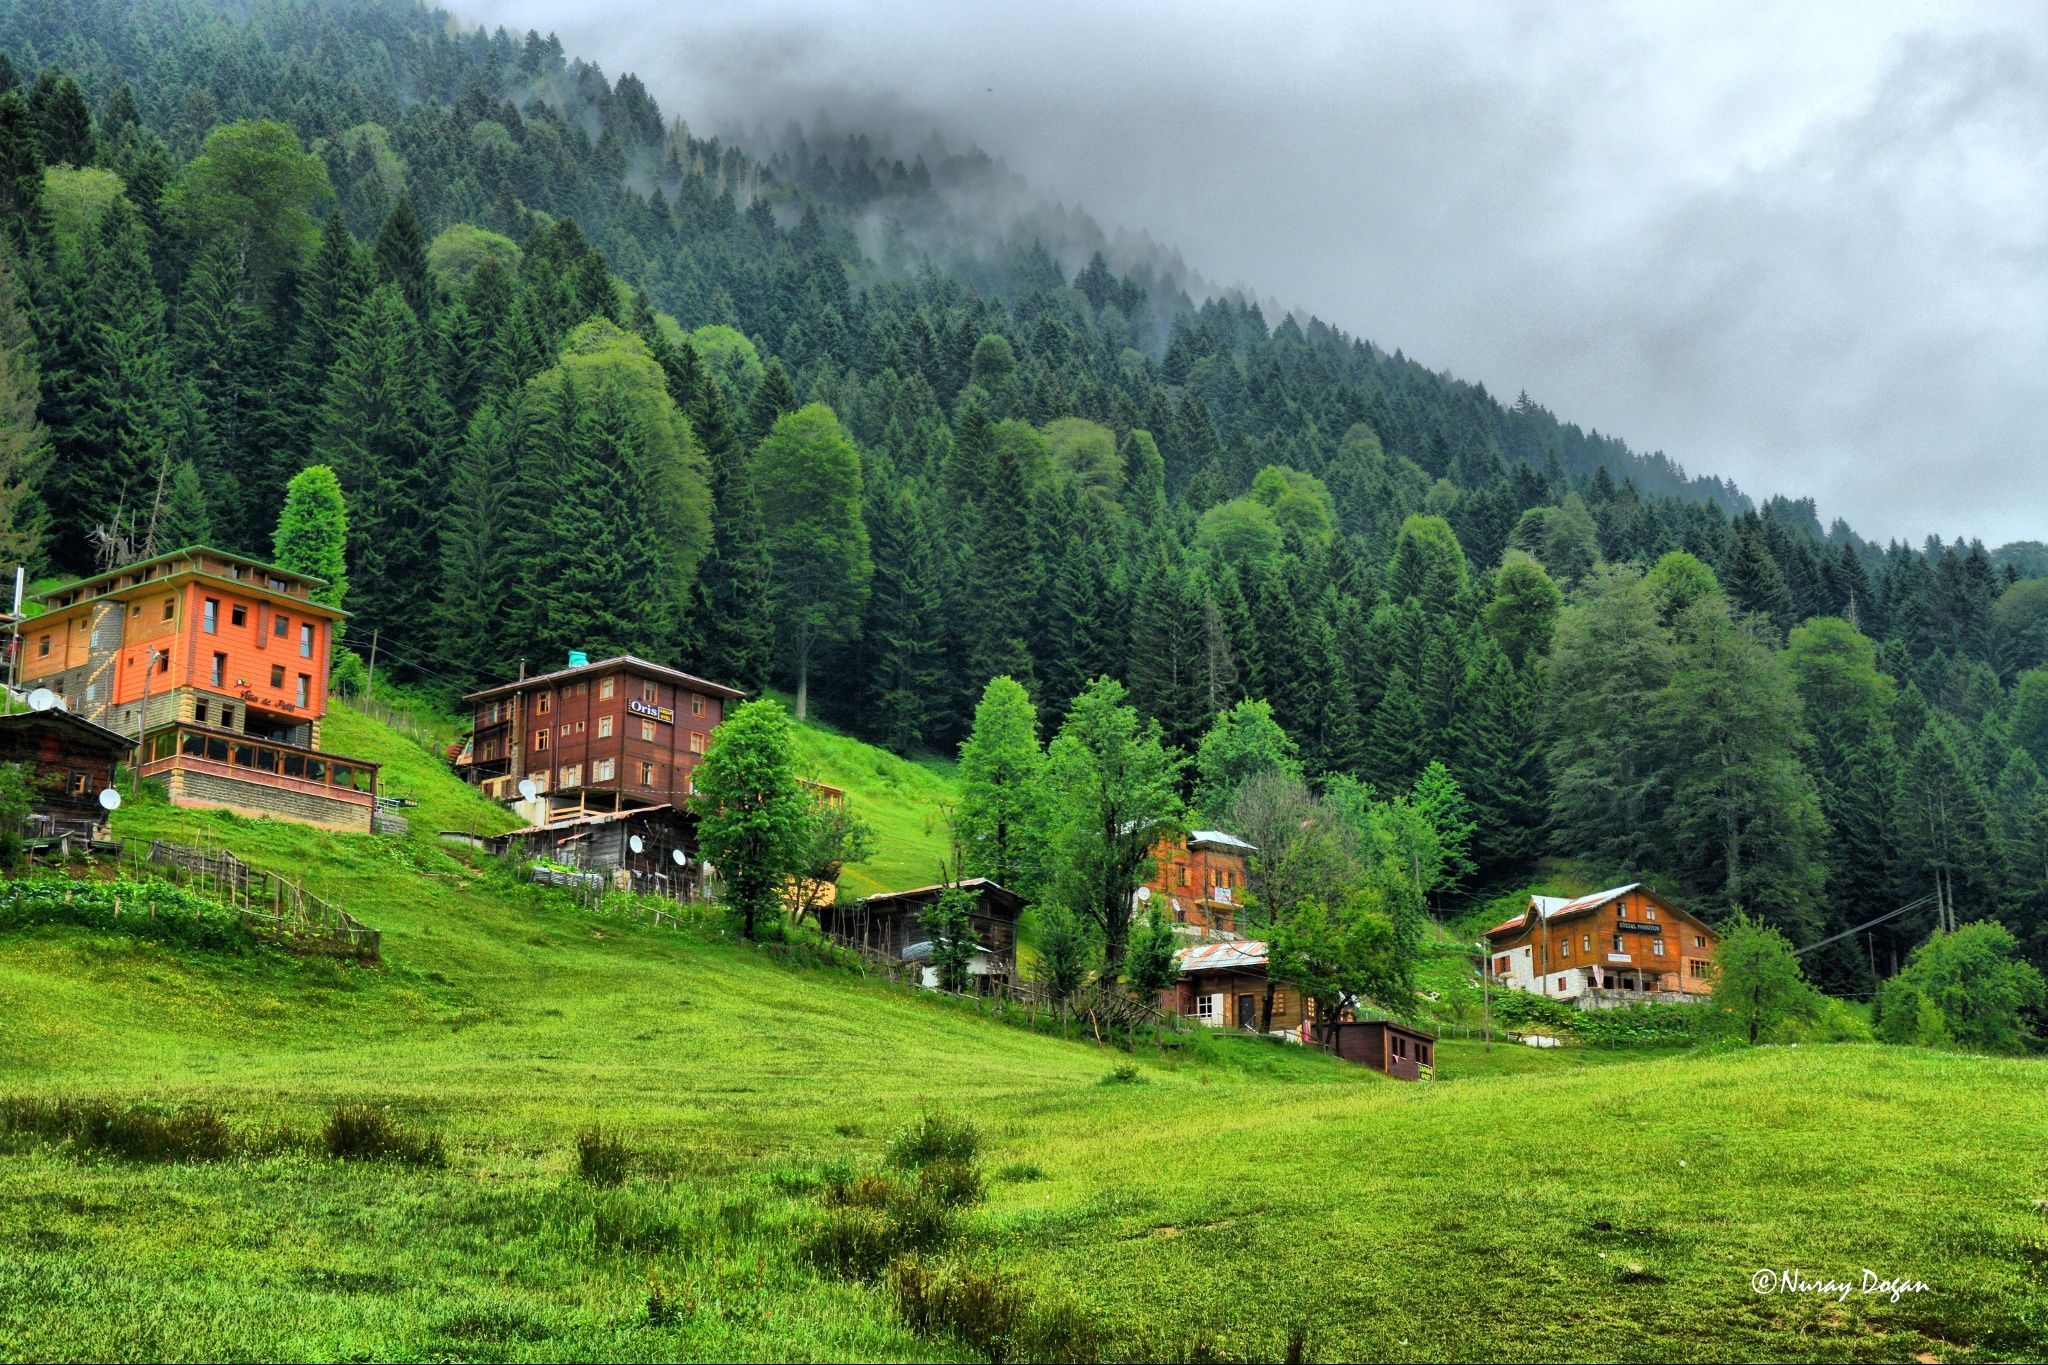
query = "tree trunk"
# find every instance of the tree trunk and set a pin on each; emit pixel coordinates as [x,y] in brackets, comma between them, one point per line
[1266,1010]
[803,683]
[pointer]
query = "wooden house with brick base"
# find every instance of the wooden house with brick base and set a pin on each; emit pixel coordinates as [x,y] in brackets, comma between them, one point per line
[220,663]
[893,924]
[1223,985]
[1620,946]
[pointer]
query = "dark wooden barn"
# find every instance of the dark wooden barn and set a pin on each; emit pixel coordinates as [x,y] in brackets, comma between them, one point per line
[72,761]
[893,921]
[1404,1053]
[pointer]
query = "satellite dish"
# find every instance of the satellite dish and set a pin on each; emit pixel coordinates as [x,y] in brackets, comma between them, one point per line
[682,858]
[1144,894]
[42,699]
[529,788]
[110,800]
[636,843]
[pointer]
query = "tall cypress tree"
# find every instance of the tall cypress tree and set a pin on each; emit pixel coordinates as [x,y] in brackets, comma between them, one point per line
[1002,579]
[902,633]
[479,582]
[218,339]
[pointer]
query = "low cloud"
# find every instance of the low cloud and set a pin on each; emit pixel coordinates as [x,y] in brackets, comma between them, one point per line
[1802,246]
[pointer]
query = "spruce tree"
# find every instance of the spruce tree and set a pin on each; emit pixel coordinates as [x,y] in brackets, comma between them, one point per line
[400,255]
[902,630]
[1002,578]
[112,441]
[24,443]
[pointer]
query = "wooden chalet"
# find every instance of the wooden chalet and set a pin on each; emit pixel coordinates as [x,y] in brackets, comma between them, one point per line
[1223,985]
[594,737]
[1199,878]
[1619,946]
[71,761]
[1406,1054]
[893,924]
[220,662]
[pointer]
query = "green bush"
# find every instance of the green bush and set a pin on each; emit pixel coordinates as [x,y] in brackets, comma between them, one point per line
[1648,1025]
[986,1313]
[1127,1074]
[189,1133]
[934,1138]
[366,1132]
[601,1158]
[951,1184]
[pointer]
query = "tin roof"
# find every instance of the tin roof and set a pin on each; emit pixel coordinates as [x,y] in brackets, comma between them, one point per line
[1218,837]
[1558,907]
[64,720]
[1246,954]
[631,663]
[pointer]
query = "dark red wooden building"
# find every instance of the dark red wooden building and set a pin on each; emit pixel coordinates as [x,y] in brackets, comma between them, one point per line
[71,760]
[1402,1052]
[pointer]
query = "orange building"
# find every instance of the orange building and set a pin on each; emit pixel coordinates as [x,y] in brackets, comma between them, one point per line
[1613,947]
[228,656]
[1200,876]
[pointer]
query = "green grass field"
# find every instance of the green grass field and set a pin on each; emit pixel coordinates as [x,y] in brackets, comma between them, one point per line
[1579,1204]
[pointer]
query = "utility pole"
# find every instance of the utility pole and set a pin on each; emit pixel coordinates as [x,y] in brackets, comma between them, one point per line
[1485,997]
[372,689]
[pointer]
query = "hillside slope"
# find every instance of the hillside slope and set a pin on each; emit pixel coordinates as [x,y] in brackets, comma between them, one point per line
[1227,1198]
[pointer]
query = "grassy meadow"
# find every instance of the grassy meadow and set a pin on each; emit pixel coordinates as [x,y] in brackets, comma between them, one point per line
[1213,1201]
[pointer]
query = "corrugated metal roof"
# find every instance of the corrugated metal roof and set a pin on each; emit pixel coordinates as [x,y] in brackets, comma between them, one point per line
[1223,957]
[1217,836]
[1556,907]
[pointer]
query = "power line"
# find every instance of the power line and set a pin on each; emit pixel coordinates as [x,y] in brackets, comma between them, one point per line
[1890,914]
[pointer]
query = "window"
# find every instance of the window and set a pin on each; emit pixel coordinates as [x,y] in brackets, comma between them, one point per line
[646,774]
[540,779]
[1400,1047]
[579,727]
[696,706]
[1617,944]
[1649,912]
[305,641]
[545,704]
[647,729]
[1695,968]
[604,770]
[540,741]
[220,670]
[227,717]
[305,689]
[1564,949]
[1500,966]
[647,691]
[135,610]
[277,676]
[1422,1054]
[210,616]
[1657,945]
[238,616]
[283,628]
[604,688]
[1205,1006]
[604,727]
[43,647]
[1279,1000]
[163,661]
[567,730]
[1586,943]
[170,607]
[696,741]
[572,775]
[1699,940]
[199,710]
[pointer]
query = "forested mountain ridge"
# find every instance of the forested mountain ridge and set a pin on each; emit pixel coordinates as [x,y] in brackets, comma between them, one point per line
[592,382]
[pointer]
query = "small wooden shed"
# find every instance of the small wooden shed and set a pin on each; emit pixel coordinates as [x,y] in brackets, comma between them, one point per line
[72,760]
[893,922]
[1402,1052]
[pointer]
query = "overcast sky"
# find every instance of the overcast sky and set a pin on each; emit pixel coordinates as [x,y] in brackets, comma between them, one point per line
[1804,246]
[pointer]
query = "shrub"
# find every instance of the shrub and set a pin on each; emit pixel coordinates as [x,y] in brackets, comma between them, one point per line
[851,1243]
[601,1159]
[1126,1074]
[189,1133]
[156,911]
[366,1132]
[1648,1025]
[951,1184]
[934,1138]
[1020,1172]
[988,1314]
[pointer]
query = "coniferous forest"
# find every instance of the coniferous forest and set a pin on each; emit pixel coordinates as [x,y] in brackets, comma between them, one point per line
[591,381]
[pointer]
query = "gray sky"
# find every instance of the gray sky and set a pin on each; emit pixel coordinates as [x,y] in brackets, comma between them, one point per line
[1805,246]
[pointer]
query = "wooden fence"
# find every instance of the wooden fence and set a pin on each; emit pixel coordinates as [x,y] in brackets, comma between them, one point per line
[270,905]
